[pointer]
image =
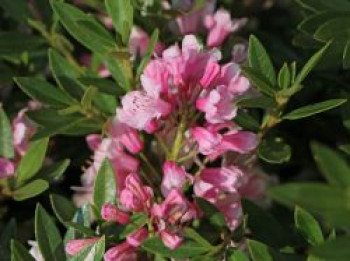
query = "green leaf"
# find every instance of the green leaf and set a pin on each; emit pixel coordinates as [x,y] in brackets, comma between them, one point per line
[30,190]
[19,252]
[80,228]
[238,255]
[312,109]
[194,235]
[8,232]
[260,61]
[308,226]
[63,208]
[16,43]
[117,72]
[332,165]
[137,220]
[324,5]
[311,63]
[334,28]
[246,121]
[262,102]
[274,150]
[6,138]
[32,161]
[258,81]
[89,95]
[53,171]
[42,91]
[214,216]
[260,252]
[149,52]
[105,187]
[188,249]
[334,250]
[331,203]
[48,236]
[122,14]
[84,28]
[264,226]
[346,56]
[284,77]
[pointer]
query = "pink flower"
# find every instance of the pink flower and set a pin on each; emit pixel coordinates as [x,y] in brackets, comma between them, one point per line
[227,179]
[139,41]
[94,141]
[232,78]
[220,26]
[213,144]
[73,247]
[7,168]
[155,78]
[138,237]
[174,177]
[127,136]
[239,53]
[110,212]
[135,196]
[140,109]
[255,186]
[170,239]
[121,252]
[175,208]
[230,206]
[217,105]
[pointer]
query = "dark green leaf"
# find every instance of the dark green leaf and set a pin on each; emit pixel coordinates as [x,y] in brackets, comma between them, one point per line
[346,56]
[80,228]
[53,171]
[238,255]
[260,61]
[122,14]
[6,139]
[8,232]
[260,252]
[188,249]
[137,220]
[214,216]
[117,72]
[320,199]
[274,150]
[284,77]
[334,250]
[63,208]
[332,165]
[246,121]
[19,252]
[32,161]
[48,236]
[262,102]
[312,109]
[308,226]
[325,5]
[258,81]
[44,92]
[30,190]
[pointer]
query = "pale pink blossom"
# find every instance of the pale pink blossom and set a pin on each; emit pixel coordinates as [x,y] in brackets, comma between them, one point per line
[110,212]
[170,239]
[139,41]
[230,206]
[127,136]
[239,53]
[220,26]
[217,105]
[135,196]
[137,237]
[35,251]
[121,252]
[7,168]
[232,77]
[140,109]
[74,246]
[174,177]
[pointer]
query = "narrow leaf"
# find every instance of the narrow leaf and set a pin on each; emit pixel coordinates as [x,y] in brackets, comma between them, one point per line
[149,52]
[63,208]
[19,252]
[30,190]
[6,138]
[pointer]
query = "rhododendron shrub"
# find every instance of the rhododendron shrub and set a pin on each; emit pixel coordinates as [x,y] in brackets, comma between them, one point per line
[162,130]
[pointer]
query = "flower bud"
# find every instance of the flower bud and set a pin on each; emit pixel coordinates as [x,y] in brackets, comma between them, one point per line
[73,247]
[136,238]
[110,212]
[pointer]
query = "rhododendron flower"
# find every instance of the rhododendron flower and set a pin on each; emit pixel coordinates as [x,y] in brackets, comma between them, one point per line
[213,144]
[239,53]
[230,206]
[137,237]
[135,196]
[217,105]
[35,251]
[73,247]
[232,77]
[7,168]
[170,239]
[220,26]
[110,212]
[121,252]
[174,177]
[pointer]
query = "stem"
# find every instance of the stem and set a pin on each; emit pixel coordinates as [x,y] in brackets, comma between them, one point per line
[178,141]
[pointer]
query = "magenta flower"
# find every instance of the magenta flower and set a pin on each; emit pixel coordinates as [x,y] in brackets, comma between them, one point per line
[232,77]
[174,177]
[135,196]
[7,168]
[170,239]
[220,26]
[73,247]
[217,105]
[230,206]
[137,237]
[110,212]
